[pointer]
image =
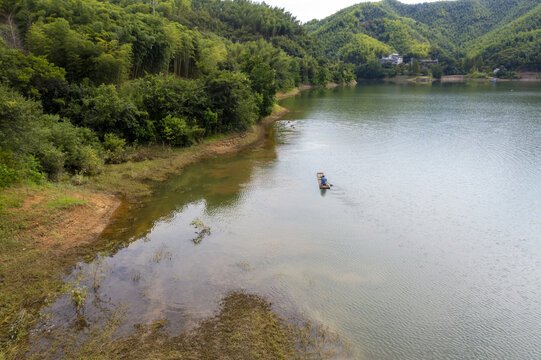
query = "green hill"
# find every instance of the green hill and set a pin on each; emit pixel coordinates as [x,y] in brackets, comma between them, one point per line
[462,34]
[401,34]
[516,45]
[463,20]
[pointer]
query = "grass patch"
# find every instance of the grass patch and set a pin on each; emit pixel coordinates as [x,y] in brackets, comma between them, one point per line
[32,255]
[65,202]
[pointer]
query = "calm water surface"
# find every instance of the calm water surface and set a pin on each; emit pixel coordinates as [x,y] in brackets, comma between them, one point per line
[427,247]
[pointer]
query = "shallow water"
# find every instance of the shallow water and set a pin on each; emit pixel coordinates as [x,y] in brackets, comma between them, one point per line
[428,246]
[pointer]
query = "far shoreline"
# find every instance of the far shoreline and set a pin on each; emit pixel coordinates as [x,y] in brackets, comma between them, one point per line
[524,77]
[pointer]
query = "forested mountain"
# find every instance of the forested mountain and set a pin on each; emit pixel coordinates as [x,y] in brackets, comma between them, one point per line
[82,79]
[463,20]
[516,45]
[462,34]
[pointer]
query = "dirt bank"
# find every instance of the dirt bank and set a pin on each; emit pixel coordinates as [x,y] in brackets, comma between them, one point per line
[293,92]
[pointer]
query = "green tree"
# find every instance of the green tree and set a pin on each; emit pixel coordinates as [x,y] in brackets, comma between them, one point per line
[262,78]
[437,71]
[415,68]
[231,97]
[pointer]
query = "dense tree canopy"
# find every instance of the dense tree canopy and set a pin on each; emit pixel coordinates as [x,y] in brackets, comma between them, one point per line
[81,78]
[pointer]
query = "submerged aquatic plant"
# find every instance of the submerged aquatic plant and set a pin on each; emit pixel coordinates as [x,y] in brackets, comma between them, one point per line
[161,254]
[203,230]
[78,297]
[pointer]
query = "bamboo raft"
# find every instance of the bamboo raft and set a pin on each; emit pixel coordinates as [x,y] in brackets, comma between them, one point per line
[319,176]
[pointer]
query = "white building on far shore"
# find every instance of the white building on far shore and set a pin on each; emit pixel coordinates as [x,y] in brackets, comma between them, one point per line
[394,59]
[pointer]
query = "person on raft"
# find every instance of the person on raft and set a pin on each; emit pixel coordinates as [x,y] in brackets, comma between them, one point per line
[323,180]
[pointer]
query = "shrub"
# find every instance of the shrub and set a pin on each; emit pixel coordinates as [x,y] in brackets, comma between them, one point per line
[177,132]
[8,176]
[437,71]
[52,160]
[104,110]
[114,146]
[80,147]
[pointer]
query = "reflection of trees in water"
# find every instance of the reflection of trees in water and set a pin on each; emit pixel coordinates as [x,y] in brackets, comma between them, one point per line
[216,182]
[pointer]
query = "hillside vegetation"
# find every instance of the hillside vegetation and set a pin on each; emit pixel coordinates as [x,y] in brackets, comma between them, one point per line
[464,35]
[83,81]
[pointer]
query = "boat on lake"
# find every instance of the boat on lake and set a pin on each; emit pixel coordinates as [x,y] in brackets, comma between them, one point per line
[319,176]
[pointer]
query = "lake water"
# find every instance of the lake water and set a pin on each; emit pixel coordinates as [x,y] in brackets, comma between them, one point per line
[428,246]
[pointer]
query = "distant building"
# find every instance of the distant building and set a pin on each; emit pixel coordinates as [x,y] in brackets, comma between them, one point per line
[429,61]
[394,59]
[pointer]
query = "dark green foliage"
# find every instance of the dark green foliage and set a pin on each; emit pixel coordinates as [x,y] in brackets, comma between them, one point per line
[231,97]
[26,133]
[372,70]
[437,71]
